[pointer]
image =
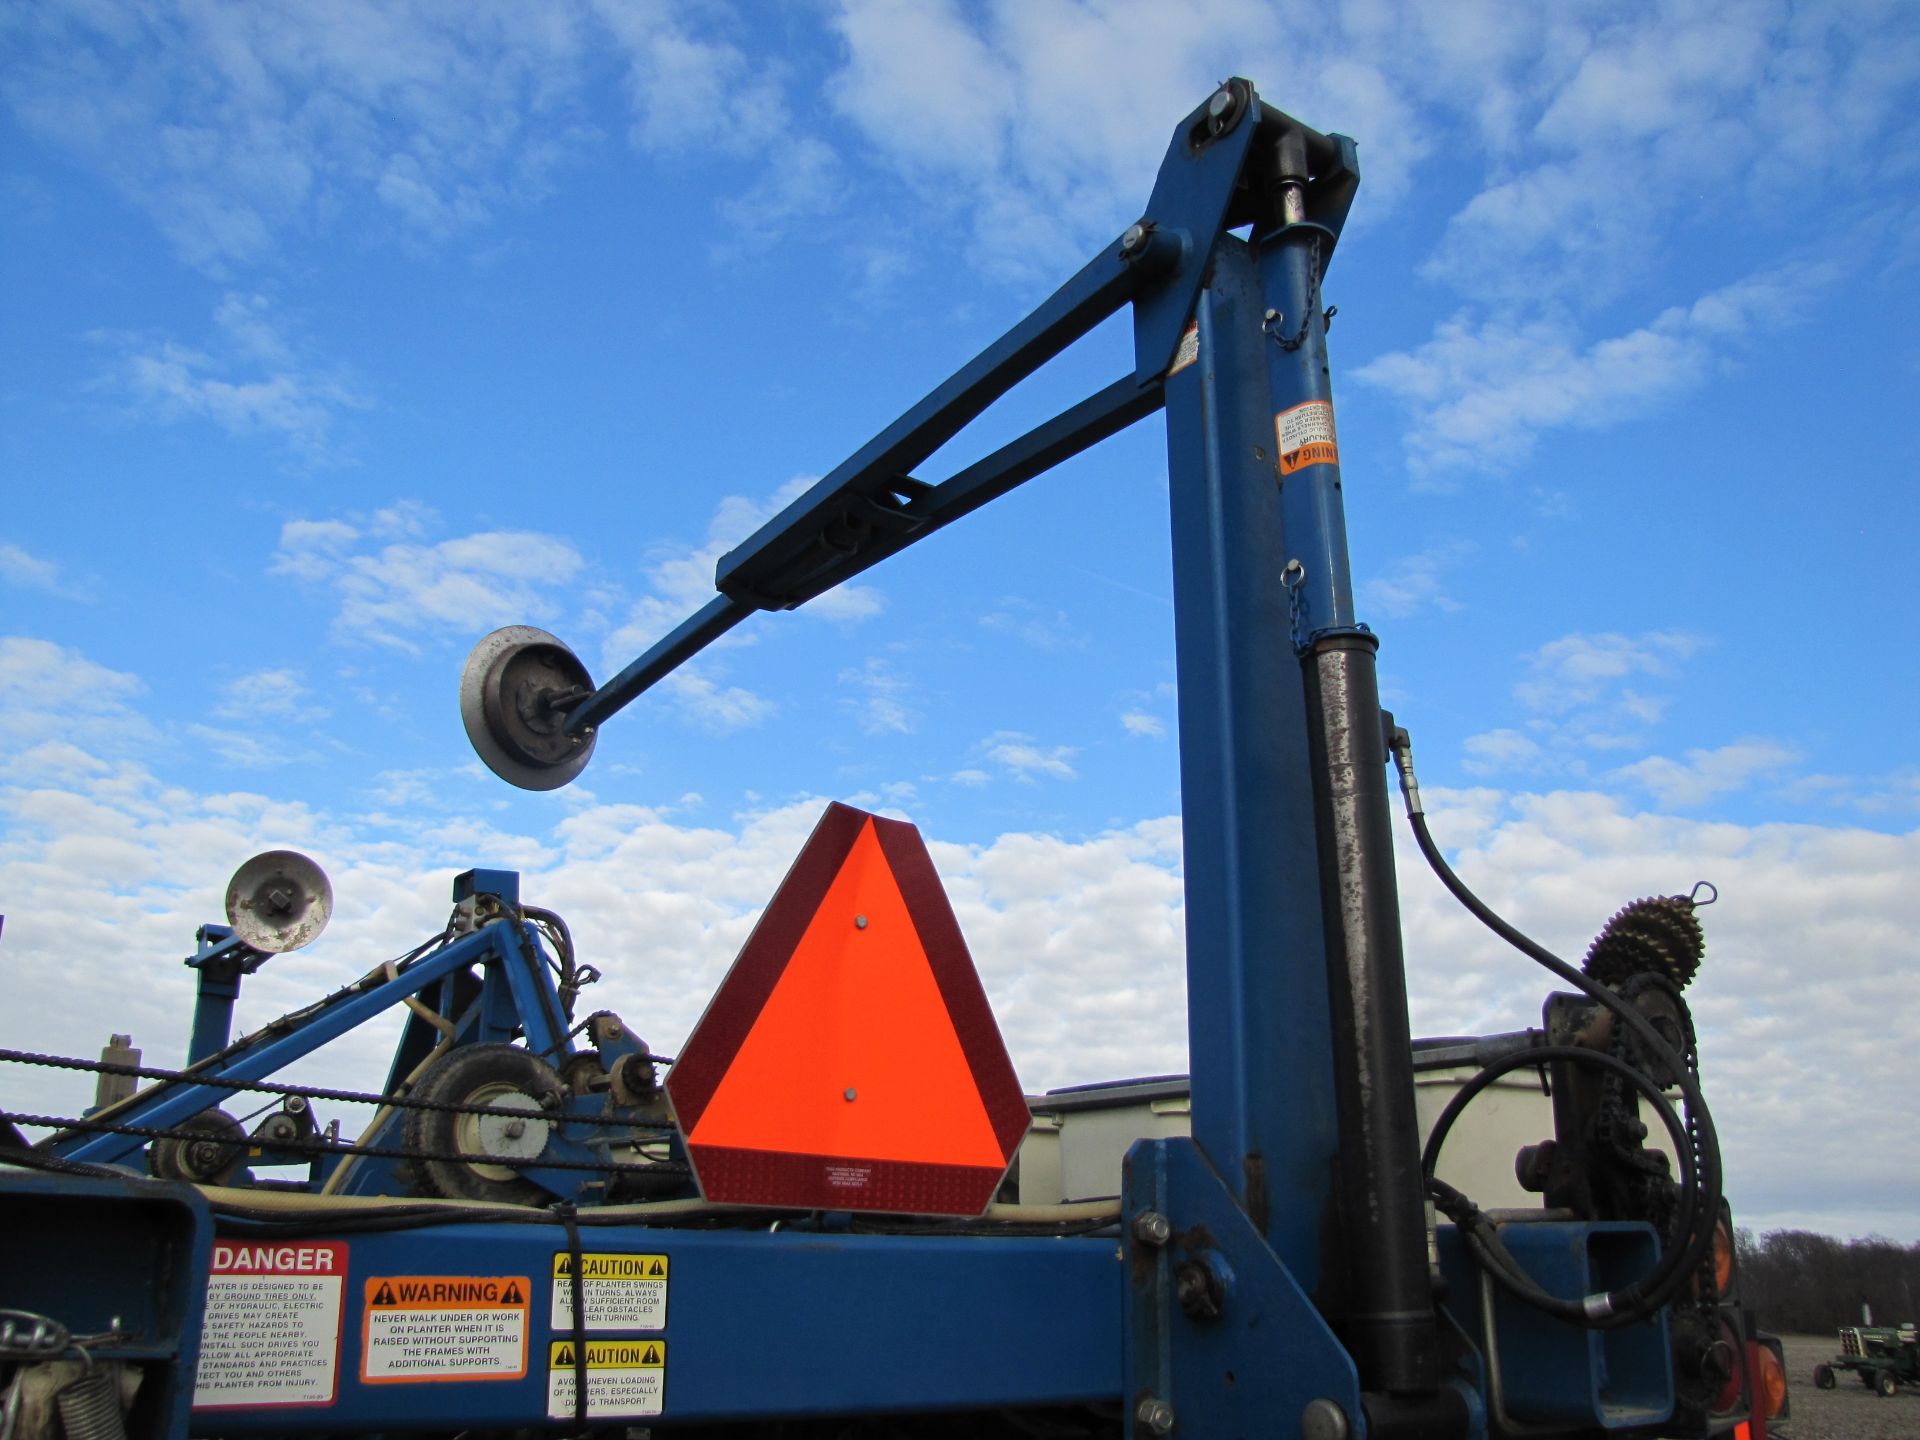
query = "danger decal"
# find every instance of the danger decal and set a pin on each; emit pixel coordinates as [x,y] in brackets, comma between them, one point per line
[621,1292]
[445,1327]
[272,1329]
[624,1378]
[1306,437]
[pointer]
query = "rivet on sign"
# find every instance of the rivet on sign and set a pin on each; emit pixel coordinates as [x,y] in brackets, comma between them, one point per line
[859,922]
[849,1093]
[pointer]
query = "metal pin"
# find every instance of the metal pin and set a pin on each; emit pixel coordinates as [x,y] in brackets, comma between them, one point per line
[859,922]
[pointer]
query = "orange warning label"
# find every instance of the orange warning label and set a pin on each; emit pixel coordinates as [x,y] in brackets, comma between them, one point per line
[445,1327]
[1305,436]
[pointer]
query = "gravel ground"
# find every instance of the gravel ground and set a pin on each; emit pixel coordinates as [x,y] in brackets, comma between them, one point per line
[1849,1411]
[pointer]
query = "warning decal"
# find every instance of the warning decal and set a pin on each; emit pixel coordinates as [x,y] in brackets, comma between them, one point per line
[1189,350]
[624,1377]
[272,1332]
[1305,435]
[622,1292]
[445,1327]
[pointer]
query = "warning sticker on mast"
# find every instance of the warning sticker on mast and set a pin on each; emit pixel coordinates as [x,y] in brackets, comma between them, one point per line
[850,1060]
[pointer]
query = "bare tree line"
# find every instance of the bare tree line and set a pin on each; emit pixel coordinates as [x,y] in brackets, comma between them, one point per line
[1806,1284]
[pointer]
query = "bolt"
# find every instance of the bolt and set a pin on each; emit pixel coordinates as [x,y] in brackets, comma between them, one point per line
[516,1128]
[280,898]
[859,922]
[1197,1289]
[1135,239]
[1150,1227]
[1323,1419]
[1155,1415]
[1220,103]
[1272,315]
[851,1094]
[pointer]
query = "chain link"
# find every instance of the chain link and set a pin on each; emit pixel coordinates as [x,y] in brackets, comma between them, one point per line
[317,1146]
[269,1087]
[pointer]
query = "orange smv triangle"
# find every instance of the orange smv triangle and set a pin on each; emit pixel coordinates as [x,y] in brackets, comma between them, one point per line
[854,1052]
[850,1059]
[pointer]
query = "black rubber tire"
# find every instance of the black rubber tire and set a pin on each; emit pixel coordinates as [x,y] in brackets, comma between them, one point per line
[1866,1378]
[477,1075]
[1823,1377]
[1884,1382]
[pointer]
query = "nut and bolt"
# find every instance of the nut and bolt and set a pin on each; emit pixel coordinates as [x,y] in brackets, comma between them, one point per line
[1155,1416]
[859,922]
[1198,1289]
[516,1129]
[1220,102]
[1150,1227]
[851,1094]
[1135,239]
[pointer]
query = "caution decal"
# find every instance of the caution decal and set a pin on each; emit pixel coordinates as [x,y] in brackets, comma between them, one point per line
[445,1327]
[622,1292]
[624,1378]
[1306,437]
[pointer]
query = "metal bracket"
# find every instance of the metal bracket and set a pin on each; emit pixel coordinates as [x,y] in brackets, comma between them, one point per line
[1220,1338]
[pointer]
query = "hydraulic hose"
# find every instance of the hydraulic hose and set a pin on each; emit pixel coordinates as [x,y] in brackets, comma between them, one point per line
[1701,1182]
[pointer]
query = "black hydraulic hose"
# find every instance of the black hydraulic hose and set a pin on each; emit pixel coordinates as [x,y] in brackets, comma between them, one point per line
[1481,1237]
[1701,1183]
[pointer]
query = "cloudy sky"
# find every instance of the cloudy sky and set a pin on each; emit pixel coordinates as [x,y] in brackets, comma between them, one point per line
[338,335]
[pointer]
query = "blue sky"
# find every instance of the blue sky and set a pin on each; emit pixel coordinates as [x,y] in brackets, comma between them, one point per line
[338,335]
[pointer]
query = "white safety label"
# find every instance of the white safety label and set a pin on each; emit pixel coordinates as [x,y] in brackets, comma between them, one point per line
[624,1378]
[445,1327]
[621,1292]
[272,1332]
[1305,435]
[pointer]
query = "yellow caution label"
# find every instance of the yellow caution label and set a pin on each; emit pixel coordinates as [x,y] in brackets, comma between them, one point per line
[611,1354]
[611,1267]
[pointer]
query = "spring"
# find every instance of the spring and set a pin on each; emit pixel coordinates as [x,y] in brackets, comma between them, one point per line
[90,1406]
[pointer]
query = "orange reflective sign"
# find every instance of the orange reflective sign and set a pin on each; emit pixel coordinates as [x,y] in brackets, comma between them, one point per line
[849,1060]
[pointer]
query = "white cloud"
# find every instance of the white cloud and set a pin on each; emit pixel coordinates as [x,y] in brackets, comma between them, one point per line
[884,704]
[1581,670]
[1078,940]
[1482,393]
[392,594]
[33,572]
[1502,752]
[1138,722]
[716,708]
[50,694]
[1416,582]
[1024,759]
[249,382]
[277,693]
[1707,774]
[1027,622]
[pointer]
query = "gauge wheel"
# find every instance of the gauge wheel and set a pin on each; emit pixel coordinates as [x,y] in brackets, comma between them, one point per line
[1884,1382]
[208,1149]
[1823,1377]
[499,1075]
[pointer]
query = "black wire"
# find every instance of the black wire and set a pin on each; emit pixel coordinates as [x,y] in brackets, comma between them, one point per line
[1472,1221]
[1652,1290]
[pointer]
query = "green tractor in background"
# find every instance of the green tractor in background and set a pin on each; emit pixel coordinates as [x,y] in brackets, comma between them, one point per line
[1881,1355]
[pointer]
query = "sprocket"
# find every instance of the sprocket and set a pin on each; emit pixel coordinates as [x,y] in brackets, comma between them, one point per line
[1658,935]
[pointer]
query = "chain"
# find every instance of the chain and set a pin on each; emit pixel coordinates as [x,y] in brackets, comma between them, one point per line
[316,1146]
[1274,317]
[269,1087]
[1293,580]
